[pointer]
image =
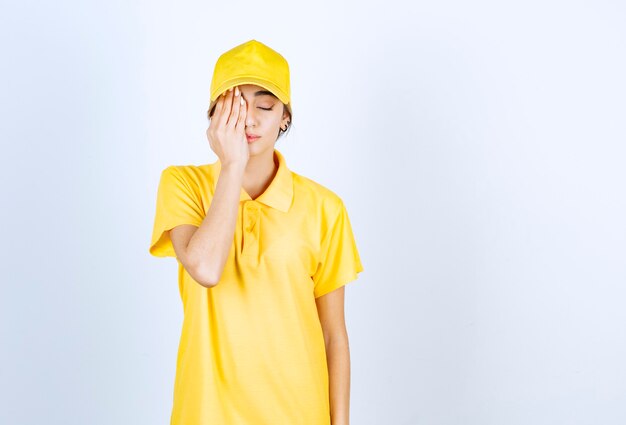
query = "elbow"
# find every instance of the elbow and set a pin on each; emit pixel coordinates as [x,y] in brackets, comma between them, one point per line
[205,277]
[204,272]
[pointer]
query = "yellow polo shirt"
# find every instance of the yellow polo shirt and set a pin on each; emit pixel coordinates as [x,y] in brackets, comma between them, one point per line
[252,350]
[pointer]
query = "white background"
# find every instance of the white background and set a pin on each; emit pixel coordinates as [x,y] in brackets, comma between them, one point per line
[478,146]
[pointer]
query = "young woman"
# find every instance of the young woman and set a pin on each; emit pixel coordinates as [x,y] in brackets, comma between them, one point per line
[263,254]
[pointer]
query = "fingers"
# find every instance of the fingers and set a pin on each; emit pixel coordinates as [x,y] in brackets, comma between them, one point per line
[230,111]
[217,111]
[226,107]
[234,113]
[241,122]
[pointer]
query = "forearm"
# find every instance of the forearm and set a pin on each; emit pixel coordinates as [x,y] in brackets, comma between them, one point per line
[210,245]
[338,359]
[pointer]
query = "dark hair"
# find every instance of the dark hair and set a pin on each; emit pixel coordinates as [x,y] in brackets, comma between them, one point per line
[280,131]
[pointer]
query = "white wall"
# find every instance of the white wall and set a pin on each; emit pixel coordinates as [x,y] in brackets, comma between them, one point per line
[479,148]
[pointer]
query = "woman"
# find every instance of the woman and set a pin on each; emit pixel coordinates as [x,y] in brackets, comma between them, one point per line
[263,257]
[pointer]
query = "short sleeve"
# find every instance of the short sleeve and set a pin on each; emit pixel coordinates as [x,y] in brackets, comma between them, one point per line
[176,204]
[339,258]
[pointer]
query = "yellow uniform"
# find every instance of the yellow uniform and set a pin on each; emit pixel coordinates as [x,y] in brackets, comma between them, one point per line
[252,350]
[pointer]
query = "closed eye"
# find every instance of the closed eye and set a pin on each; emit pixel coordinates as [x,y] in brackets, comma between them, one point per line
[265,109]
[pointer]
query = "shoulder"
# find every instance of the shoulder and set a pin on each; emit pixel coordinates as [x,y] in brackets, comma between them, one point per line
[192,175]
[317,194]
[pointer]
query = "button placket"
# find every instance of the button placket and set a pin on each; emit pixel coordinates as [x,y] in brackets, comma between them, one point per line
[251,217]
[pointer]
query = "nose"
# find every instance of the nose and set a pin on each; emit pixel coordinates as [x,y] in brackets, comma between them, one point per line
[250,114]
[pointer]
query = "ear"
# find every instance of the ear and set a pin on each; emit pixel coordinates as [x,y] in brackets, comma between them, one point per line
[286,115]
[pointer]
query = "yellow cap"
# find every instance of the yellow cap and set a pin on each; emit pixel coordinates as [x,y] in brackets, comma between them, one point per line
[252,63]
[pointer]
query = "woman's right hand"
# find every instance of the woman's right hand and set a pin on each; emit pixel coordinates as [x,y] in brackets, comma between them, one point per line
[226,132]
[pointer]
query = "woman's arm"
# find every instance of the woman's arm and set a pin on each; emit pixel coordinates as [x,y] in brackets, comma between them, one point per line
[330,308]
[204,253]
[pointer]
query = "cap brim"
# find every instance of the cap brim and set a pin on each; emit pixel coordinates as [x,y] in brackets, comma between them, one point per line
[248,80]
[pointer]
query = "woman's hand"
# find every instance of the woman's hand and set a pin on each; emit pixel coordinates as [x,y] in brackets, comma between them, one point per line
[226,132]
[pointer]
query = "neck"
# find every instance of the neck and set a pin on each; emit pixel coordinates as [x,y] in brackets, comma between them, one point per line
[259,173]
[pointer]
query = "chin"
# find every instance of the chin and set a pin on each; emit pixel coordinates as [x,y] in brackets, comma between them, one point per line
[256,148]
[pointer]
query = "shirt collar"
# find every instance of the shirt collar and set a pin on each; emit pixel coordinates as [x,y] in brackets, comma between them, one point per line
[278,194]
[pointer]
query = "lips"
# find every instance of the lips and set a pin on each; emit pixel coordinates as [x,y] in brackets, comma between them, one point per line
[252,136]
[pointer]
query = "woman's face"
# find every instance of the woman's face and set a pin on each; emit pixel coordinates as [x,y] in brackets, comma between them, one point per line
[266,115]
